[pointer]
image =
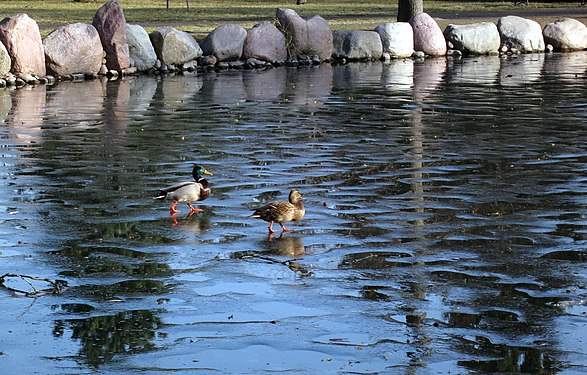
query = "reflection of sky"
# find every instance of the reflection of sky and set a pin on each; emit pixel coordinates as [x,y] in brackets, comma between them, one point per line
[391,158]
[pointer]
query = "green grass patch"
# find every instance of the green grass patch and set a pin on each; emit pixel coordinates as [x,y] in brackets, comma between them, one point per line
[205,16]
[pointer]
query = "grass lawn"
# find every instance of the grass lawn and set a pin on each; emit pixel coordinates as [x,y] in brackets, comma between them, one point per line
[205,16]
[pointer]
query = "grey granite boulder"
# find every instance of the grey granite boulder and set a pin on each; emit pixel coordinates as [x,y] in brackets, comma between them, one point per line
[428,37]
[357,45]
[225,42]
[397,39]
[566,35]
[265,42]
[520,34]
[21,36]
[5,61]
[141,52]
[74,48]
[474,39]
[110,22]
[308,37]
[175,47]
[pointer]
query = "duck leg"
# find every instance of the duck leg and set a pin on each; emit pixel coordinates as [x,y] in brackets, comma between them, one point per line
[271,227]
[172,209]
[284,229]
[193,209]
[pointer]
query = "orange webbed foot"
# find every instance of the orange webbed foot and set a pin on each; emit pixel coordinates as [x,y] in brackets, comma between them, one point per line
[194,209]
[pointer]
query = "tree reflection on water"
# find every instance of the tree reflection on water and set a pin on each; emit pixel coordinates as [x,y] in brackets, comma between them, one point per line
[103,337]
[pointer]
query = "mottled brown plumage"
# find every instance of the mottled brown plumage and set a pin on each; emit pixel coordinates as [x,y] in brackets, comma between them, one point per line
[282,212]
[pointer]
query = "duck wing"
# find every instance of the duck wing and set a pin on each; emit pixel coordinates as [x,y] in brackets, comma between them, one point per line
[276,211]
[183,192]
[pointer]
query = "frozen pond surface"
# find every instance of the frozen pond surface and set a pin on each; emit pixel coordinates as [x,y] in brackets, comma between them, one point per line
[445,231]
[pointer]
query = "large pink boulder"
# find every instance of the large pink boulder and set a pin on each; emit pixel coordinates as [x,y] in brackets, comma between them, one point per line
[428,37]
[21,36]
[111,25]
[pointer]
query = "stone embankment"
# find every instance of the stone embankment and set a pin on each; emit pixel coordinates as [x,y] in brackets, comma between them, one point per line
[110,47]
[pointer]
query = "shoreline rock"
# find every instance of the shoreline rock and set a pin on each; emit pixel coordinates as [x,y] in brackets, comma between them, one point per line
[112,48]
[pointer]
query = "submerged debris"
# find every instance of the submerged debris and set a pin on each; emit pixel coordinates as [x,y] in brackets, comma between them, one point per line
[55,286]
[293,265]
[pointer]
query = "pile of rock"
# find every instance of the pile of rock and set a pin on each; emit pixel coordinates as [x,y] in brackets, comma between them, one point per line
[110,46]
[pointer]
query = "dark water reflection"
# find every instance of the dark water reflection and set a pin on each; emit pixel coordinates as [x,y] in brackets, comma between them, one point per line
[445,228]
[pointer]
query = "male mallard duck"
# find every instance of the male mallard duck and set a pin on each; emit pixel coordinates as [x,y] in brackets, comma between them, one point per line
[282,212]
[187,192]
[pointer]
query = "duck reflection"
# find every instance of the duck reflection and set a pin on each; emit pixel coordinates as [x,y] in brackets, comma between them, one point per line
[283,246]
[289,246]
[195,224]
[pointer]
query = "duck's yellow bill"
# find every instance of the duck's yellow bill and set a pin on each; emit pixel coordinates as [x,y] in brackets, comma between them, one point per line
[208,173]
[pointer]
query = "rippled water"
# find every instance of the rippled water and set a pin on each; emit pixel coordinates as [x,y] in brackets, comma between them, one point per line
[445,230]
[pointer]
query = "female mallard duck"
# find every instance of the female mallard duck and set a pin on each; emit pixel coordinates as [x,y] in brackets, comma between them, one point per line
[282,212]
[187,192]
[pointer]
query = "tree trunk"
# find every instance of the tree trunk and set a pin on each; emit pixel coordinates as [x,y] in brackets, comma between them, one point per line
[406,9]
